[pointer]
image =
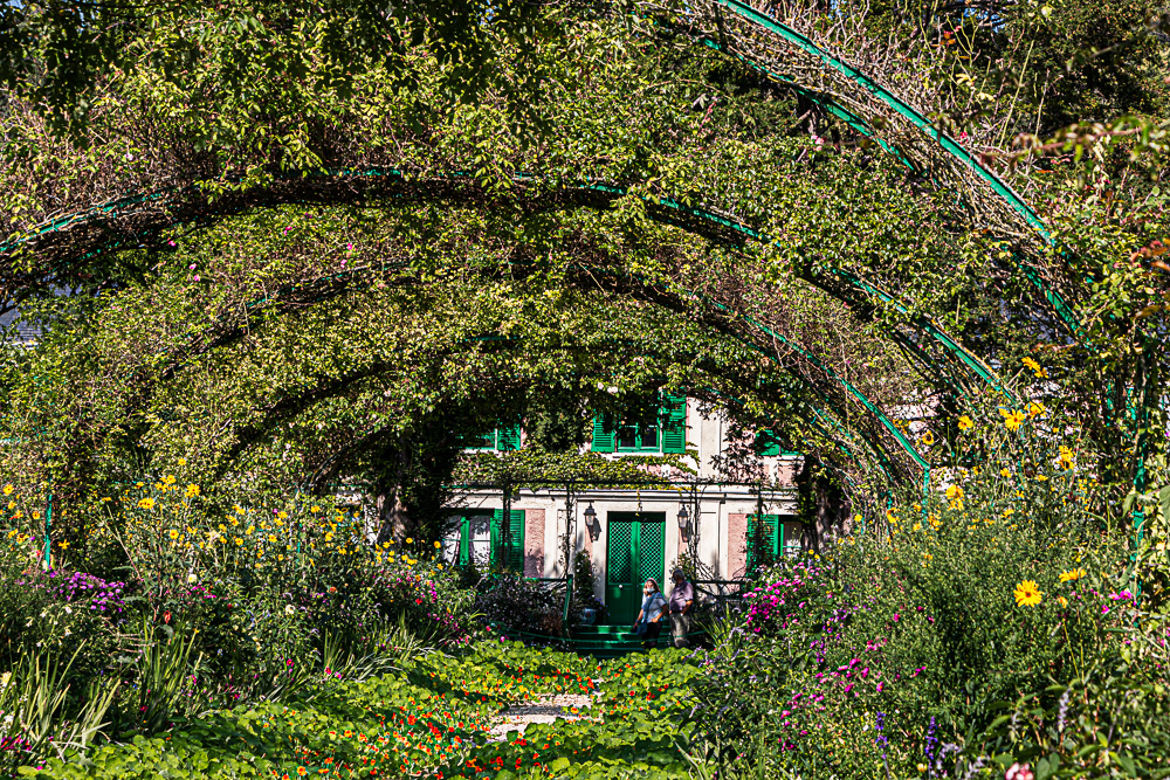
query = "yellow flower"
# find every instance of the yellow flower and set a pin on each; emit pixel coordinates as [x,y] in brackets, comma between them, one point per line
[954,491]
[438,545]
[169,479]
[238,509]
[1036,409]
[146,503]
[192,491]
[1027,594]
[282,515]
[182,461]
[1072,574]
[63,545]
[917,527]
[1065,460]
[173,534]
[238,541]
[314,508]
[409,540]
[928,438]
[1062,601]
[272,538]
[891,516]
[1013,419]
[966,423]
[1032,364]
[249,530]
[8,490]
[1004,472]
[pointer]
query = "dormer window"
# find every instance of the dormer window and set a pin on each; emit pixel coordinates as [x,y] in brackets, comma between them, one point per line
[664,432]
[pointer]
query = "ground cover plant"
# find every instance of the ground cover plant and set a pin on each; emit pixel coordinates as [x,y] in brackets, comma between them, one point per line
[431,716]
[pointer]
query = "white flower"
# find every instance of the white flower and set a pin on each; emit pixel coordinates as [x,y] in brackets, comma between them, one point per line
[191,577]
[288,609]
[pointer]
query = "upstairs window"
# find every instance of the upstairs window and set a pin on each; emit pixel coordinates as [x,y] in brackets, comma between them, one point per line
[664,432]
[502,438]
[767,444]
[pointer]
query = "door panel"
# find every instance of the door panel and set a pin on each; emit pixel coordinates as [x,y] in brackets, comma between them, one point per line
[635,551]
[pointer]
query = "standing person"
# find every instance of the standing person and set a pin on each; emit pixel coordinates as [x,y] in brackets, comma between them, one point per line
[682,597]
[648,624]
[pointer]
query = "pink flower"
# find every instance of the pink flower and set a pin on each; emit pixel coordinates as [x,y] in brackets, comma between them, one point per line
[1018,771]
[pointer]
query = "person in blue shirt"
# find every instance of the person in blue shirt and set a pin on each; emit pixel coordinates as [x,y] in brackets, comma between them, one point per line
[649,622]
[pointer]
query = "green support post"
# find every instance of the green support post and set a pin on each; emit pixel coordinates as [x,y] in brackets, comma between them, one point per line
[47,562]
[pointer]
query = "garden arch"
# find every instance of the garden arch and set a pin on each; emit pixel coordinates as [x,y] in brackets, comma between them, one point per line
[140,219]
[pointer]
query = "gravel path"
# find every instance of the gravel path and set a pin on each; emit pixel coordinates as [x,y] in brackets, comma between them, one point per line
[546,708]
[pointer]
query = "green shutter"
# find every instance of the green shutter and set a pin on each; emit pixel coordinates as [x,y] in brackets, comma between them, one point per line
[464,541]
[508,437]
[511,557]
[769,540]
[767,443]
[603,434]
[674,431]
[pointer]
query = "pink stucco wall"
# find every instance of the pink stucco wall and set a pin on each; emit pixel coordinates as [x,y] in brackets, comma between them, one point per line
[736,543]
[534,543]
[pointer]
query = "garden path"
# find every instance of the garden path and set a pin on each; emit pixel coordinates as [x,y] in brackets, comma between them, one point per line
[544,708]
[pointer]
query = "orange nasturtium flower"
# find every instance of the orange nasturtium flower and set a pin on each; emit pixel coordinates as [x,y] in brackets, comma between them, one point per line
[1027,594]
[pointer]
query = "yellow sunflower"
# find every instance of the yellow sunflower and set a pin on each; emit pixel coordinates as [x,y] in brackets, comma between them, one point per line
[966,423]
[1013,419]
[1028,594]
[1072,574]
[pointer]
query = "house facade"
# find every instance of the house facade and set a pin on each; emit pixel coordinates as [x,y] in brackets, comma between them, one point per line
[712,526]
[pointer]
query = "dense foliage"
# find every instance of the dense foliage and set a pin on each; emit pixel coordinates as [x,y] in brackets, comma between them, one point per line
[271,250]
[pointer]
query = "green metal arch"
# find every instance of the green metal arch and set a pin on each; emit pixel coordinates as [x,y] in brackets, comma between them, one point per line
[764,21]
[830,419]
[968,359]
[970,362]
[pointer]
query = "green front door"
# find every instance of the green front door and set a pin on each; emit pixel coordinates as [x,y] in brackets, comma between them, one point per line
[635,550]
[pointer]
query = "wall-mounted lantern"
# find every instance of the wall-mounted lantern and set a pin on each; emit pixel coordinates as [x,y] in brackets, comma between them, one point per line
[684,519]
[591,521]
